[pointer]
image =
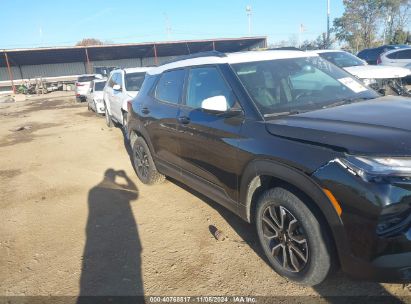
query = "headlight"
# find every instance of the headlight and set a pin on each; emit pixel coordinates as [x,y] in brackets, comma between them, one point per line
[367,167]
[369,81]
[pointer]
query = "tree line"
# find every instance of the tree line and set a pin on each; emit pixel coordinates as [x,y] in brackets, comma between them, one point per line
[369,23]
[364,24]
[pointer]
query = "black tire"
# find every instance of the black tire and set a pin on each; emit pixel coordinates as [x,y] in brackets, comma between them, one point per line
[109,121]
[124,115]
[95,107]
[144,165]
[305,243]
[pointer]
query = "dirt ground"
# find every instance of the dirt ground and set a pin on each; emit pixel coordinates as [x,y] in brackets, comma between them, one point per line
[74,219]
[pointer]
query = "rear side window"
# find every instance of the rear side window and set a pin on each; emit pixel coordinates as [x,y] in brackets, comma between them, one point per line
[404,54]
[392,55]
[134,81]
[170,86]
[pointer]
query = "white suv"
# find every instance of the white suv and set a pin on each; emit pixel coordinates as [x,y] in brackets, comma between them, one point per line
[122,86]
[398,57]
[83,85]
[95,96]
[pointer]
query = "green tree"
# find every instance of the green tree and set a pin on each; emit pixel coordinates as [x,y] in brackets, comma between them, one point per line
[366,22]
[400,37]
[358,25]
[396,17]
[320,43]
[89,42]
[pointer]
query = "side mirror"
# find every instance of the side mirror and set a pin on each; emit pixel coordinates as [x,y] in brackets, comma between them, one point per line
[116,87]
[215,103]
[90,90]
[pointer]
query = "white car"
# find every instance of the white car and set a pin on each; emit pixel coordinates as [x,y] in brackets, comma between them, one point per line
[386,79]
[122,86]
[398,57]
[83,85]
[95,100]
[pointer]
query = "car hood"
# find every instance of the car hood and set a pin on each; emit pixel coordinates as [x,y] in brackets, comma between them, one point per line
[381,126]
[377,71]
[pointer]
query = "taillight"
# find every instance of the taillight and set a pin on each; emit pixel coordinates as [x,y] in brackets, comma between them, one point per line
[78,84]
[129,105]
[379,61]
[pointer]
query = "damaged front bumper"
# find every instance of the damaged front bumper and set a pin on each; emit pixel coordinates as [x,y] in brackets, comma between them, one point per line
[376,217]
[393,86]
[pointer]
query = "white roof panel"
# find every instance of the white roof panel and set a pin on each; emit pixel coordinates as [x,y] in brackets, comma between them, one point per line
[232,58]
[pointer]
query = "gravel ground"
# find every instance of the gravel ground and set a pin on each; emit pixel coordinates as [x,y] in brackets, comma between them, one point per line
[75,220]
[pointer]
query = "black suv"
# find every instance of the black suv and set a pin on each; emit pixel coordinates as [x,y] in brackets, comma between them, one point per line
[288,141]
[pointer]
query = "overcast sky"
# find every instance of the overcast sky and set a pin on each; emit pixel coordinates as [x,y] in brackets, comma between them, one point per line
[61,23]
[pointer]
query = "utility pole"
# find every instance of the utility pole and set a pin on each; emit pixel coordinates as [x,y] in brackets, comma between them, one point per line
[168,26]
[301,31]
[249,12]
[328,23]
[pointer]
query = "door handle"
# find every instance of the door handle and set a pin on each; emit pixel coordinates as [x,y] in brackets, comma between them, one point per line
[184,120]
[145,111]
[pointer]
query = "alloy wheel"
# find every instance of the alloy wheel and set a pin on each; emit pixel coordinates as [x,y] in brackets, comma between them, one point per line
[141,161]
[285,238]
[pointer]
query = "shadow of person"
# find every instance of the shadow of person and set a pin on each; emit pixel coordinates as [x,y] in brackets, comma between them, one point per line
[338,288]
[111,260]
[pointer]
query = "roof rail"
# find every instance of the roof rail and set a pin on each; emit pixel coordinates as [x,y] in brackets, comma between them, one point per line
[196,55]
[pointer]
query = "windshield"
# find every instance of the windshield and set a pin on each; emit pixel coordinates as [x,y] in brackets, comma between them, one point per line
[342,59]
[298,84]
[99,86]
[134,81]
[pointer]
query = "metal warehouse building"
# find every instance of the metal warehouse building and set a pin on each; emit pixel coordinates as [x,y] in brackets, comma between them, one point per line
[67,62]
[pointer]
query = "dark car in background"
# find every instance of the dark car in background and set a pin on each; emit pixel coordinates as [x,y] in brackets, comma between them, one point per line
[371,55]
[290,142]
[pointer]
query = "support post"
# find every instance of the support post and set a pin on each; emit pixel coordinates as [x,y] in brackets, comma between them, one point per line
[213,45]
[88,62]
[328,23]
[155,55]
[10,72]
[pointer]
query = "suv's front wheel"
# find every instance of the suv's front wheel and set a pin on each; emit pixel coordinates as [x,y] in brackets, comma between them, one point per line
[144,165]
[293,240]
[109,121]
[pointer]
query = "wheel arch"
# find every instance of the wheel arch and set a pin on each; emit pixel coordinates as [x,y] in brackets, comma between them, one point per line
[261,175]
[134,133]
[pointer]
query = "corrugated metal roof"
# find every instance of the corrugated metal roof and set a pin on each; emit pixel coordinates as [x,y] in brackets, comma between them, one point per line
[123,51]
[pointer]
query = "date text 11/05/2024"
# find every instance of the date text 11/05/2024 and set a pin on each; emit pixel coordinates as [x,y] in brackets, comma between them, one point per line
[203,299]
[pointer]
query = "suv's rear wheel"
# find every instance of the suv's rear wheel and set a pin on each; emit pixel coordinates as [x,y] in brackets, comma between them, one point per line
[144,165]
[292,238]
